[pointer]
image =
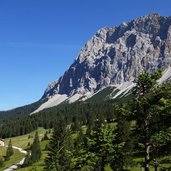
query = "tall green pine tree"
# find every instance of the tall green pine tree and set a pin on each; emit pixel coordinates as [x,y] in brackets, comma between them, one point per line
[149,114]
[58,158]
[35,151]
[9,151]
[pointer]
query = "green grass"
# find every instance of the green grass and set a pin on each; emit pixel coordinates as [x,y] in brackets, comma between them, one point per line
[103,95]
[38,166]
[108,168]
[2,151]
[15,158]
[123,98]
[113,125]
[22,141]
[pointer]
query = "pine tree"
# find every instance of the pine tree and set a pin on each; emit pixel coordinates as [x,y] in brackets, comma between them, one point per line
[161,137]
[123,138]
[149,113]
[97,151]
[9,151]
[79,141]
[75,126]
[58,158]
[101,143]
[35,150]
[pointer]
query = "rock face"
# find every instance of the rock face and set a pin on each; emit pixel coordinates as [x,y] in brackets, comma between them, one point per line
[116,55]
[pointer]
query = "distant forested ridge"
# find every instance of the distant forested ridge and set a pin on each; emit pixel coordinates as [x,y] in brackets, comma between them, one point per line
[20,111]
[47,118]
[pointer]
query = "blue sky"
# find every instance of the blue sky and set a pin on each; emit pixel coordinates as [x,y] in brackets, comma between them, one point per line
[39,39]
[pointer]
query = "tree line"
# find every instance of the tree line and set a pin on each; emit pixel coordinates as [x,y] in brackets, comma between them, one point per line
[47,118]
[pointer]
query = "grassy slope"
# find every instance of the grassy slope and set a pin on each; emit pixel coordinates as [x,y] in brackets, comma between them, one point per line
[22,141]
[102,95]
[13,160]
[38,166]
[107,94]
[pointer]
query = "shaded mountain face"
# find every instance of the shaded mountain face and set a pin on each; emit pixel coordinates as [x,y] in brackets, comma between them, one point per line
[116,55]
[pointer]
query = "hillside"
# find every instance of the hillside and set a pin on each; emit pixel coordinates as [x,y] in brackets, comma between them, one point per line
[20,111]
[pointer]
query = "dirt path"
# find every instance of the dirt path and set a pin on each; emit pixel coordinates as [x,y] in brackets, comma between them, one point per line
[15,166]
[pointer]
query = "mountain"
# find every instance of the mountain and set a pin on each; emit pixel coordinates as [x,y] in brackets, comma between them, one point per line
[112,59]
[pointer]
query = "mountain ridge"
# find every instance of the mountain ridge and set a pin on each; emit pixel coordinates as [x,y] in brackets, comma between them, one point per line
[114,57]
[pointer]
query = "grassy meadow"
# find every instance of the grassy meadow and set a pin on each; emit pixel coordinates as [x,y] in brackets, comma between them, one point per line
[23,141]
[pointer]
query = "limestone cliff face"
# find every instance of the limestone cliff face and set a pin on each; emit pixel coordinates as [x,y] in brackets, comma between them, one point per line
[116,55]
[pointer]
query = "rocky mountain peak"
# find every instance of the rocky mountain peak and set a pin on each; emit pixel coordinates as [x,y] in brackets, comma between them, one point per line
[116,55]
